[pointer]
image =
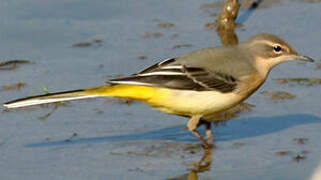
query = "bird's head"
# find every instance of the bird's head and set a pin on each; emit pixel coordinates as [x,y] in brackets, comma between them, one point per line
[268,50]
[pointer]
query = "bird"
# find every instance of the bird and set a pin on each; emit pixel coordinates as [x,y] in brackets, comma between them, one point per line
[195,85]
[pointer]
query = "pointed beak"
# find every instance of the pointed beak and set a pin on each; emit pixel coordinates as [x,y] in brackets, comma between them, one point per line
[303,58]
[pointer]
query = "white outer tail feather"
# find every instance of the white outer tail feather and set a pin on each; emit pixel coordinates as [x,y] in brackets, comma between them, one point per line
[43,100]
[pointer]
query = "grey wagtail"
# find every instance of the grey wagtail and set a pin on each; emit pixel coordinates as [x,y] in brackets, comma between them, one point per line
[196,84]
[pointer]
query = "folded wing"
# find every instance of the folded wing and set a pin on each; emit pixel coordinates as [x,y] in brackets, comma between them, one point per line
[171,74]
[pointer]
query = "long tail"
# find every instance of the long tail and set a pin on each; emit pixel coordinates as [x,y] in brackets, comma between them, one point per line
[48,98]
[128,91]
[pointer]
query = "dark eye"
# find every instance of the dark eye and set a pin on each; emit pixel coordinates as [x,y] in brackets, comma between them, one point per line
[277,48]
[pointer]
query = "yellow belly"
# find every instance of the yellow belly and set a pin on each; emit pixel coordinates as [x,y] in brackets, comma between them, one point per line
[194,102]
[181,102]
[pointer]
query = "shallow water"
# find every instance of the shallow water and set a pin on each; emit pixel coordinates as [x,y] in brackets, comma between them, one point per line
[99,139]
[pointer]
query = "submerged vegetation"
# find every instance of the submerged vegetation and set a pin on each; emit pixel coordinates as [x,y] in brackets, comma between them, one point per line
[300,81]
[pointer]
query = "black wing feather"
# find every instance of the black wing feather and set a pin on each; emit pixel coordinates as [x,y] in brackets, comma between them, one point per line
[190,78]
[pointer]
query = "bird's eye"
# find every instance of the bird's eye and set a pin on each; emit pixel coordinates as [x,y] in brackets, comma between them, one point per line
[277,48]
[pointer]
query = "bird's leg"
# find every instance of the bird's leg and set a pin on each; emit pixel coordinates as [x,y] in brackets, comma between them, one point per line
[192,125]
[208,132]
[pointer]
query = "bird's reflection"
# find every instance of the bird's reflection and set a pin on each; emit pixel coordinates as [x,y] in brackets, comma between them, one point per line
[204,164]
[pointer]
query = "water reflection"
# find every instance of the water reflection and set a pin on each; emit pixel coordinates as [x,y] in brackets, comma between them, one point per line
[204,164]
[232,130]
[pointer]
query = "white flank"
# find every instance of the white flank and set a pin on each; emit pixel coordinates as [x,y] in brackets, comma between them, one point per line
[39,100]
